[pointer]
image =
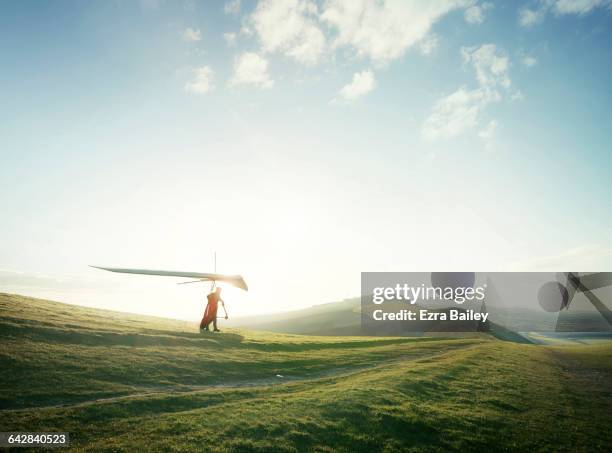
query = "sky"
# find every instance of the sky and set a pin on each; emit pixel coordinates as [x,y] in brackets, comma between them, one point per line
[303,141]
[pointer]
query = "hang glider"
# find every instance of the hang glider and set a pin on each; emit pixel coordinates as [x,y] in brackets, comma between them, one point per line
[234,280]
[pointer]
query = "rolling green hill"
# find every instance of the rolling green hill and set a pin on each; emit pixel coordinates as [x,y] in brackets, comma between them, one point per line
[120,382]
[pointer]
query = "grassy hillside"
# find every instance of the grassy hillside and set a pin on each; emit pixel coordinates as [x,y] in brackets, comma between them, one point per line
[121,382]
[67,353]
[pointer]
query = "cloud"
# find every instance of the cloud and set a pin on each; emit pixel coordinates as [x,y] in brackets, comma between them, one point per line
[384,30]
[579,6]
[289,27]
[528,61]
[475,14]
[535,14]
[251,69]
[516,96]
[191,35]
[232,7]
[490,64]
[230,38]
[428,44]
[529,17]
[454,114]
[460,111]
[363,82]
[202,81]
[488,133]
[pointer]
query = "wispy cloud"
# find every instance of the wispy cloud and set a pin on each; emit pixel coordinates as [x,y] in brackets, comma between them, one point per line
[230,38]
[251,70]
[363,82]
[475,14]
[191,35]
[454,114]
[232,7]
[491,66]
[537,11]
[578,6]
[488,135]
[460,111]
[531,16]
[528,61]
[428,44]
[202,81]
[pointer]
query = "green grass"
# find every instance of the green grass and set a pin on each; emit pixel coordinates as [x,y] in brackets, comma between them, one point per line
[133,383]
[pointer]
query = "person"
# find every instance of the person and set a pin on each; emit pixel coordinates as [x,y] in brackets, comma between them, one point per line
[210,314]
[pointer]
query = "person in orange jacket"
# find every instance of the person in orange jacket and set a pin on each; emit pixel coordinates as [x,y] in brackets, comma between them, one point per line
[210,314]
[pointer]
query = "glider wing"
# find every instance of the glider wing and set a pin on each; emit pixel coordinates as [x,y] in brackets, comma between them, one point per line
[234,280]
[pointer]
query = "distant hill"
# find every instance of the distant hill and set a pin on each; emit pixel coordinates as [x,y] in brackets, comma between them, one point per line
[335,318]
[344,318]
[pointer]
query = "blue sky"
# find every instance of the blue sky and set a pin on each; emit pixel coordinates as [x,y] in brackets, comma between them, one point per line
[302,141]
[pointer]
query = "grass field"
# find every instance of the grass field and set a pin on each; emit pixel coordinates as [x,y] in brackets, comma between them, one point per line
[120,382]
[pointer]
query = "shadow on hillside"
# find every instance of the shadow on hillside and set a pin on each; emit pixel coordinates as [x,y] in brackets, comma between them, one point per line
[48,332]
[51,333]
[504,334]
